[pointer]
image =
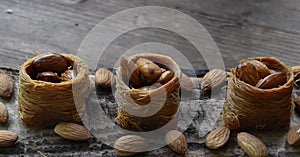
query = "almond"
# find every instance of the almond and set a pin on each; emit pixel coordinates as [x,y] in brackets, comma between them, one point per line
[272,81]
[130,73]
[72,131]
[129,145]
[104,78]
[176,141]
[217,138]
[7,138]
[213,79]
[68,75]
[186,83]
[48,77]
[51,62]
[6,85]
[165,77]
[251,71]
[251,145]
[293,137]
[3,113]
[148,68]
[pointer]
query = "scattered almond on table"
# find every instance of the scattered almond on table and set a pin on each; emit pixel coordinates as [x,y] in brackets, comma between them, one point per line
[293,137]
[213,79]
[7,138]
[72,131]
[104,78]
[6,85]
[3,113]
[251,145]
[217,138]
[130,145]
[176,141]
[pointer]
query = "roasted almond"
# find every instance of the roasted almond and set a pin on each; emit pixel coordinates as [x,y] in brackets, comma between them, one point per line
[251,145]
[129,145]
[51,62]
[217,138]
[48,76]
[176,141]
[272,81]
[6,85]
[72,131]
[165,77]
[3,113]
[148,68]
[213,79]
[68,75]
[251,71]
[104,78]
[7,138]
[186,83]
[293,137]
[130,73]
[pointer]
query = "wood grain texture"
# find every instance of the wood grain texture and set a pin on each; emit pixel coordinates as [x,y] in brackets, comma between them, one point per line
[240,28]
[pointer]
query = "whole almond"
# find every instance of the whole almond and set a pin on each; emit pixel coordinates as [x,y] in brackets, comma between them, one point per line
[251,145]
[48,76]
[130,73]
[7,138]
[176,141]
[213,79]
[104,78]
[129,145]
[148,68]
[3,113]
[293,137]
[51,62]
[217,138]
[72,131]
[272,81]
[6,85]
[186,83]
[251,71]
[68,75]
[165,77]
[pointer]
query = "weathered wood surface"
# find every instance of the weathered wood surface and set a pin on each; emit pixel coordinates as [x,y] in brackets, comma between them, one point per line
[240,29]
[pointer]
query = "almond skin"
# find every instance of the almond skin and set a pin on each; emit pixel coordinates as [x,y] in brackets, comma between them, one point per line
[104,78]
[51,62]
[129,145]
[251,145]
[48,77]
[148,68]
[272,81]
[7,138]
[68,75]
[72,131]
[293,137]
[6,85]
[3,113]
[213,79]
[217,138]
[251,71]
[176,141]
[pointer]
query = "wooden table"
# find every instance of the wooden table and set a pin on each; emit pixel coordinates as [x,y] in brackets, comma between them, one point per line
[240,29]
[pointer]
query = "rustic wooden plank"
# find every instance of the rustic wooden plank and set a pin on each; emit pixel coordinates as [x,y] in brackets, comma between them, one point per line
[62,25]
